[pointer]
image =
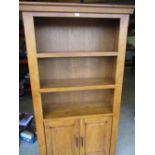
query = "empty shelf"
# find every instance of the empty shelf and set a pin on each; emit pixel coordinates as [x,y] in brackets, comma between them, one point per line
[76,54]
[76,85]
[52,110]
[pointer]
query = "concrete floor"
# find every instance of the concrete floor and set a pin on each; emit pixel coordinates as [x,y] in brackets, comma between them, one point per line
[126,135]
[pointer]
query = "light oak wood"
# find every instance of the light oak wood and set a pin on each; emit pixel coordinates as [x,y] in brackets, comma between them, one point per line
[71,7]
[76,34]
[78,103]
[119,79]
[63,85]
[81,109]
[92,135]
[74,15]
[62,138]
[76,59]
[76,54]
[79,117]
[97,134]
[77,68]
[34,79]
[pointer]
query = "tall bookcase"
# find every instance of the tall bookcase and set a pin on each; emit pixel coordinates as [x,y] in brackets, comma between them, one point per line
[76,58]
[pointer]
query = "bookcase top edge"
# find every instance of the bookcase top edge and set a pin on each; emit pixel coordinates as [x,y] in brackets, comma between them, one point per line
[75,7]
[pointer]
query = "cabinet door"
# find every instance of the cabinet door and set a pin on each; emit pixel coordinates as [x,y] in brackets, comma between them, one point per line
[96,136]
[62,137]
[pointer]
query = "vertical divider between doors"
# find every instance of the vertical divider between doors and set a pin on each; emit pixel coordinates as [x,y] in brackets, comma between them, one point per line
[34,78]
[124,19]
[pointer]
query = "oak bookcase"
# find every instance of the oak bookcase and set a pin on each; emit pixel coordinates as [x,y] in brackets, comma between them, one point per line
[76,58]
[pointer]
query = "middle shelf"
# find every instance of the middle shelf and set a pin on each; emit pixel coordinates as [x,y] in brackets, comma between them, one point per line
[63,85]
[76,74]
[76,54]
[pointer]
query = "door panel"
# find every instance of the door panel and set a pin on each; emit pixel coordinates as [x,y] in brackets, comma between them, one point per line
[97,134]
[62,137]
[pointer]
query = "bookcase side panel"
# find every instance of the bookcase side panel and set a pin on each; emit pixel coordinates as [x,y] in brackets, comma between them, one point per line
[119,79]
[34,78]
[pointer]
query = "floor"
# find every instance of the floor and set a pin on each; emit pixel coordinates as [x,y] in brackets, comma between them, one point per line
[126,135]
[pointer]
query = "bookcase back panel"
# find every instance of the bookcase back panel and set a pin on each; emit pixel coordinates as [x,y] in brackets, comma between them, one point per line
[78,97]
[77,103]
[77,68]
[76,34]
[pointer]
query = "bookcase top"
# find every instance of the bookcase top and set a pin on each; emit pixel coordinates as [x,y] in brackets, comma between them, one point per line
[75,7]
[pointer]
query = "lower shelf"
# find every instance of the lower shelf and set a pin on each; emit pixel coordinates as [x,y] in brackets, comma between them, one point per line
[76,84]
[79,109]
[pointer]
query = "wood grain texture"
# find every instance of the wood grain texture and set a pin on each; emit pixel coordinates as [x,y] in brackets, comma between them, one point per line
[72,15]
[62,137]
[64,85]
[97,135]
[76,34]
[76,59]
[71,7]
[43,55]
[119,79]
[81,109]
[79,136]
[34,78]
[77,68]
[80,103]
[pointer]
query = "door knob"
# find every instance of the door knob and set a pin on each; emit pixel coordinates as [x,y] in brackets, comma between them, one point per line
[77,142]
[82,141]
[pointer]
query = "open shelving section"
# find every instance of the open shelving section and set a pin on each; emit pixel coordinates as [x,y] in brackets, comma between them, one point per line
[77,103]
[79,36]
[76,55]
[76,74]
[51,111]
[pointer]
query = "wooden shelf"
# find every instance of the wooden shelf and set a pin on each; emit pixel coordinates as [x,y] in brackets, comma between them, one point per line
[52,110]
[76,84]
[76,54]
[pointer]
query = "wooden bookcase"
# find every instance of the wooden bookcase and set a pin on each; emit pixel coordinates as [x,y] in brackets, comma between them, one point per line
[76,58]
